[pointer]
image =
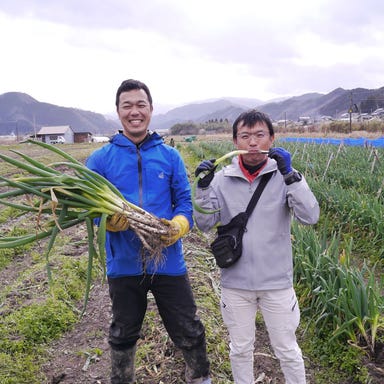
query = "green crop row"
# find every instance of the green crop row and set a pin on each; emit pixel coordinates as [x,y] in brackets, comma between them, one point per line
[338,264]
[339,261]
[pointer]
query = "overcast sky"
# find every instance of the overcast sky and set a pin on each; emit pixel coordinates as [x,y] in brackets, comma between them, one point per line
[75,53]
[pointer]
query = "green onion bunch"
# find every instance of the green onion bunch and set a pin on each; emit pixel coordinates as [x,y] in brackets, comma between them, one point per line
[71,194]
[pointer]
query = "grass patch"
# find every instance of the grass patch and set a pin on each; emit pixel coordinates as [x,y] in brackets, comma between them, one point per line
[20,368]
[33,314]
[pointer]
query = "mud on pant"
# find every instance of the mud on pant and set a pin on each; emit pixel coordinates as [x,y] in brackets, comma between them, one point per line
[177,309]
[281,315]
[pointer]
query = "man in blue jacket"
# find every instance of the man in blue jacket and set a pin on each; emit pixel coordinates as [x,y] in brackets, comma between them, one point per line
[151,175]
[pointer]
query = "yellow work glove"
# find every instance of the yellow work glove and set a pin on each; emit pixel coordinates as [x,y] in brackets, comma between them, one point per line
[117,222]
[178,227]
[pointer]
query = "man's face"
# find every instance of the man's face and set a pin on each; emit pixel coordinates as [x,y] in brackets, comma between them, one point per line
[134,111]
[253,139]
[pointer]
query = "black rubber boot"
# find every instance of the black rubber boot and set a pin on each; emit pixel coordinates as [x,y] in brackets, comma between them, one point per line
[123,366]
[197,365]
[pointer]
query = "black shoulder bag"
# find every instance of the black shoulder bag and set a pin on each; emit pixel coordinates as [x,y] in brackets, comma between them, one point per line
[227,246]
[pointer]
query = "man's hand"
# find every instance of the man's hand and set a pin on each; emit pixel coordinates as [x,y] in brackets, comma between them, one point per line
[283,159]
[208,167]
[178,227]
[117,222]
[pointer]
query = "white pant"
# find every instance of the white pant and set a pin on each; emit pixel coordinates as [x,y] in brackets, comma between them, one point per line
[281,315]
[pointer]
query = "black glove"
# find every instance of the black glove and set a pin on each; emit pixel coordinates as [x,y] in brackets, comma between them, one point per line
[208,167]
[283,159]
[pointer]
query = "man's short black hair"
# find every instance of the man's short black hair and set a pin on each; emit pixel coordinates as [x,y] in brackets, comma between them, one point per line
[250,118]
[129,85]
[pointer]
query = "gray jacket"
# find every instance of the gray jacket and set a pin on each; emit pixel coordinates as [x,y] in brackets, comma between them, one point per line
[266,262]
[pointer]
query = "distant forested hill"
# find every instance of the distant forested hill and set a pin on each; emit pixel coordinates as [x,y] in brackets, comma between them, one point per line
[22,114]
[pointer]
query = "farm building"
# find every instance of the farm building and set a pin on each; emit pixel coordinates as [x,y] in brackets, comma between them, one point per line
[62,134]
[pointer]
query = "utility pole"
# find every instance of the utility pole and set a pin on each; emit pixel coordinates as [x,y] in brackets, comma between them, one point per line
[17,130]
[350,112]
[34,126]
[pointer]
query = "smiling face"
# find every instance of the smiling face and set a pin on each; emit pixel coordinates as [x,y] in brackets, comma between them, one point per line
[134,111]
[253,139]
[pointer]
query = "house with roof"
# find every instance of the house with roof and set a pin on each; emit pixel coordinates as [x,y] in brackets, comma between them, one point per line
[62,134]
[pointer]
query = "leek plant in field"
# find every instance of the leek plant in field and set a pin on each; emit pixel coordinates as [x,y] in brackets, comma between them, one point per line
[339,298]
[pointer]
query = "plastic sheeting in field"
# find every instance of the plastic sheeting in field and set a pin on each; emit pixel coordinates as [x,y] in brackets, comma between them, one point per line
[357,142]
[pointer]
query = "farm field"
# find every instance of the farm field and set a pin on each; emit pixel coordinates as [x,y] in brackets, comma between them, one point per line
[338,272]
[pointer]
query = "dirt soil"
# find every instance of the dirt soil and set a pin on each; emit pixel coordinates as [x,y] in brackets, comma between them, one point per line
[82,355]
[67,365]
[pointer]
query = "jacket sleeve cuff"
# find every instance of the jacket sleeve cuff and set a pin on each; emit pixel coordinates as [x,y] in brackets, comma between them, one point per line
[292,177]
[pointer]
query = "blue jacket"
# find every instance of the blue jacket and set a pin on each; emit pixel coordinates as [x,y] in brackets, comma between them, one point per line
[152,176]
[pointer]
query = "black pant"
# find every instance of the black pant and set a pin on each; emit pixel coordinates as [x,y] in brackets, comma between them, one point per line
[174,299]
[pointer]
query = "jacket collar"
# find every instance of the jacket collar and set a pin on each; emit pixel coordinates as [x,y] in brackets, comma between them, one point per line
[151,140]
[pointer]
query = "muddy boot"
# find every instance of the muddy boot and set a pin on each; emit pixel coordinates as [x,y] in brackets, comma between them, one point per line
[123,366]
[196,366]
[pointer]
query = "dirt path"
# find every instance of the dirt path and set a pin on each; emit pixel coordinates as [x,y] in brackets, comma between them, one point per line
[82,355]
[74,359]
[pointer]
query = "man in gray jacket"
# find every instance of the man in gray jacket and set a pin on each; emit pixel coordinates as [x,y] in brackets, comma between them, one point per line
[262,279]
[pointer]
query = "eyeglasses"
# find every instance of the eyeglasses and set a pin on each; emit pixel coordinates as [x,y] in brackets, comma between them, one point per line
[247,136]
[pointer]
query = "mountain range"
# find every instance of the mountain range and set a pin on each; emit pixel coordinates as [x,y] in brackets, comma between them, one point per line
[314,105]
[22,114]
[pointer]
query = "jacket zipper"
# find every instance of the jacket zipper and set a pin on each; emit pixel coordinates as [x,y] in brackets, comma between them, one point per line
[140,171]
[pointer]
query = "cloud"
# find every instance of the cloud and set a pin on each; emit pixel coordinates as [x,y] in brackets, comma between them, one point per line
[76,53]
[114,14]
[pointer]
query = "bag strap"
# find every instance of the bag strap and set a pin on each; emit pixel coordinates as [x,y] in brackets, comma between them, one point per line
[256,195]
